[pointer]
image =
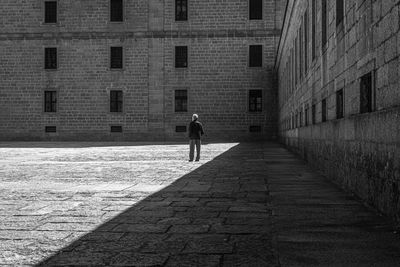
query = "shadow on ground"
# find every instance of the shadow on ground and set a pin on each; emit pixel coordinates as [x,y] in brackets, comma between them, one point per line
[217,215]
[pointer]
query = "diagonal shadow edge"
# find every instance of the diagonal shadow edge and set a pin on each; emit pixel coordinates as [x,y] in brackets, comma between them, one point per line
[159,226]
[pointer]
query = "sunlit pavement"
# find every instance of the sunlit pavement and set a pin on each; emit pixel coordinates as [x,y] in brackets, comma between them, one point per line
[129,204]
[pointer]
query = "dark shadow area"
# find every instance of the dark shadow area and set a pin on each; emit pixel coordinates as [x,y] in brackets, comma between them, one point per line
[217,215]
[45,144]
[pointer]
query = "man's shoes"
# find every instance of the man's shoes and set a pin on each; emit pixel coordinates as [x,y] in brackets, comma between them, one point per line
[197,159]
[190,160]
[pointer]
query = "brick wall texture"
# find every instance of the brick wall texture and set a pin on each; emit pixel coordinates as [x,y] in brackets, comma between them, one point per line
[217,78]
[362,150]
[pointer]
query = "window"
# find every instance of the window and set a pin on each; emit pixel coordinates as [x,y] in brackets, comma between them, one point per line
[50,12]
[324,110]
[255,9]
[305,43]
[255,128]
[366,93]
[180,129]
[50,58]
[313,112]
[50,101]
[116,56]
[339,11]
[339,104]
[181,100]
[324,23]
[255,100]
[116,10]
[301,56]
[115,101]
[50,129]
[255,57]
[181,10]
[306,116]
[313,28]
[116,129]
[181,57]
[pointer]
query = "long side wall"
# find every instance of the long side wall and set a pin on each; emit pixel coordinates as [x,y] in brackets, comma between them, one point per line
[360,151]
[217,79]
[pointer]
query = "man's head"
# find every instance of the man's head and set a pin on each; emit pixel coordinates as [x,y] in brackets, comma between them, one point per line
[195,117]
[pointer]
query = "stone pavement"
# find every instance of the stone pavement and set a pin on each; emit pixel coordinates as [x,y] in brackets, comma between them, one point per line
[248,204]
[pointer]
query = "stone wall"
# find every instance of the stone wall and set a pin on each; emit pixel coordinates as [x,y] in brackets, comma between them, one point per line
[361,150]
[218,78]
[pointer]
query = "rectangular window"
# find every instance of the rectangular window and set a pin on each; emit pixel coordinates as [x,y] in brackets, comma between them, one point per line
[50,58]
[115,101]
[116,57]
[181,56]
[180,129]
[323,110]
[313,112]
[50,101]
[181,10]
[306,43]
[339,11]
[339,104]
[306,116]
[181,101]
[50,12]
[255,9]
[366,93]
[313,28]
[255,100]
[324,23]
[116,10]
[255,128]
[301,59]
[116,129]
[255,57]
[50,129]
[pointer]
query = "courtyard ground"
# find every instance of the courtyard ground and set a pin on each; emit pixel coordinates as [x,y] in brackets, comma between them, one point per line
[132,204]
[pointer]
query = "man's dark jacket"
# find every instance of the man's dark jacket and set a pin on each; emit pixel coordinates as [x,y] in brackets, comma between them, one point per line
[195,130]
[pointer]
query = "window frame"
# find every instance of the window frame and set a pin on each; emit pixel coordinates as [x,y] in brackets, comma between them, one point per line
[50,68]
[178,16]
[116,104]
[252,63]
[258,107]
[110,12]
[111,58]
[176,61]
[371,97]
[181,98]
[324,110]
[253,11]
[45,13]
[340,104]
[53,104]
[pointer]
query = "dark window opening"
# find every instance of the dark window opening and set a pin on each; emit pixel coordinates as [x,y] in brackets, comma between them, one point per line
[116,57]
[313,112]
[50,12]
[339,11]
[324,23]
[255,100]
[366,93]
[255,9]
[313,29]
[339,104]
[180,129]
[181,101]
[116,10]
[305,43]
[50,101]
[181,56]
[116,129]
[181,10]
[255,128]
[323,110]
[306,113]
[50,58]
[255,57]
[115,101]
[50,129]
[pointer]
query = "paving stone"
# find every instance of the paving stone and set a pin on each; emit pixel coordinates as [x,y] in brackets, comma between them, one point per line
[141,228]
[139,259]
[191,260]
[193,228]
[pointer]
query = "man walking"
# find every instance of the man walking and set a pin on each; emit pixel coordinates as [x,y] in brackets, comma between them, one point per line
[195,133]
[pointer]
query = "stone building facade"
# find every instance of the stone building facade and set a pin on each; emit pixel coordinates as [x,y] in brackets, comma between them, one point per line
[339,93]
[137,70]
